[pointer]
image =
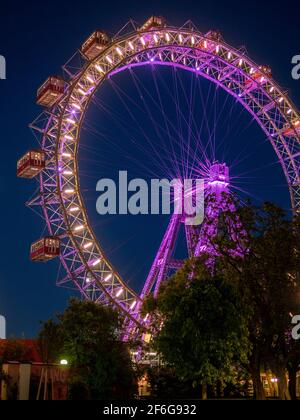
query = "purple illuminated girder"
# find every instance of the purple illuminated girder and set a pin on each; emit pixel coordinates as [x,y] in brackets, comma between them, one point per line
[217,201]
[257,98]
[160,266]
[219,175]
[217,186]
[232,79]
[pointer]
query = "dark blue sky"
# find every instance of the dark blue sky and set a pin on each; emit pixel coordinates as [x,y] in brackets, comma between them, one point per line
[37,38]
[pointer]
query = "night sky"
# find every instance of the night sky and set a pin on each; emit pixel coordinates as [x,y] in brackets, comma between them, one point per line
[36,38]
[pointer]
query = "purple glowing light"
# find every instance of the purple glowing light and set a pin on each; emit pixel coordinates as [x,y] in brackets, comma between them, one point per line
[219,174]
[218,184]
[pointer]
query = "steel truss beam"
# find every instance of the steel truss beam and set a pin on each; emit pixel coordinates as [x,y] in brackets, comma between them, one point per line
[58,133]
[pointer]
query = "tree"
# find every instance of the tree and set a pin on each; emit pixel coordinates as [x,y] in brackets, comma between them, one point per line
[268,278]
[293,366]
[199,325]
[50,342]
[100,362]
[12,350]
[165,384]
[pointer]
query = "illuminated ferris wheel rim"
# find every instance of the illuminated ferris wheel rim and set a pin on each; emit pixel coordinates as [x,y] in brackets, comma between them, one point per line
[185,48]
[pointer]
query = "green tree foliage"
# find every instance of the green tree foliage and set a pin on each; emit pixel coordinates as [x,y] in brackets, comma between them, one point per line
[50,342]
[165,384]
[199,325]
[100,363]
[202,319]
[268,279]
[13,350]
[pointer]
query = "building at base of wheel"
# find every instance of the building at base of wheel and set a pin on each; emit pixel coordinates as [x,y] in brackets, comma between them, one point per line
[28,378]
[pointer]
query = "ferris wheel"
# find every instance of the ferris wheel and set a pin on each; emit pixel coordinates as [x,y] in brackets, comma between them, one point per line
[58,129]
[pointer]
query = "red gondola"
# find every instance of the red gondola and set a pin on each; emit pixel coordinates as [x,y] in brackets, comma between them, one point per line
[214,35]
[45,249]
[152,23]
[94,44]
[51,91]
[289,130]
[260,75]
[31,164]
